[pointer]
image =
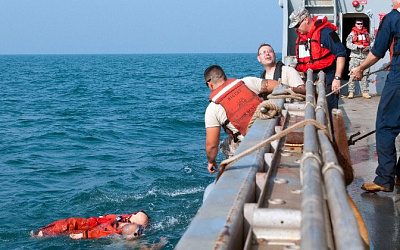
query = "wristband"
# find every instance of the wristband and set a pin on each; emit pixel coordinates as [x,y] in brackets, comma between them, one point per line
[338,78]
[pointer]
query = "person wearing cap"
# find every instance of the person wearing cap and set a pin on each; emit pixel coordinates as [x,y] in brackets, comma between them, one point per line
[79,225]
[232,105]
[359,41]
[274,70]
[388,114]
[318,47]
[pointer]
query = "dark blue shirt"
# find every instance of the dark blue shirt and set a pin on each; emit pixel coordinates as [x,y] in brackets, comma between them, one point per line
[331,41]
[389,27]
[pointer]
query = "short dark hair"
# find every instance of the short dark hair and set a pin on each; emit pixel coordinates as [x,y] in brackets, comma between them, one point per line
[213,73]
[264,44]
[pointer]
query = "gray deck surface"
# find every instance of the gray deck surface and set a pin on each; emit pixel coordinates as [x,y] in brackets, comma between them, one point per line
[381,211]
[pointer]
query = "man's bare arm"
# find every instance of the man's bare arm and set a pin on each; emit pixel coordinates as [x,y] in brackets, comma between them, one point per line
[212,143]
[357,72]
[267,86]
[301,89]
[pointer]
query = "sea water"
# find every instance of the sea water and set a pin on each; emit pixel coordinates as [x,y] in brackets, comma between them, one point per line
[86,135]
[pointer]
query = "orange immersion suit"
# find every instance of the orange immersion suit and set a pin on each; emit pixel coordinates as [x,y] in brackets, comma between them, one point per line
[93,227]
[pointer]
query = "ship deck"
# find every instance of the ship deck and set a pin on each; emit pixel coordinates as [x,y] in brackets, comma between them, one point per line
[381,211]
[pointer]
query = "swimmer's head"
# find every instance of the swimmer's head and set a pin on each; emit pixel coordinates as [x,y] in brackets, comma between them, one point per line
[140,218]
[132,231]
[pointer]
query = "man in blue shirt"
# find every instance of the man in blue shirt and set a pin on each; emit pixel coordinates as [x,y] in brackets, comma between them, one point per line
[318,47]
[388,115]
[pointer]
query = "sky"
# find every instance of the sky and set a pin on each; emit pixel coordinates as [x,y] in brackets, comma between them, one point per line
[138,26]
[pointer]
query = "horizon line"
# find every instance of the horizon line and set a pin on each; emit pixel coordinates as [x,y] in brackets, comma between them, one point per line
[160,53]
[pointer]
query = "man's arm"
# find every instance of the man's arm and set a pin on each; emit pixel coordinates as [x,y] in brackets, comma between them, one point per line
[301,89]
[340,62]
[368,62]
[331,40]
[267,86]
[212,142]
[293,79]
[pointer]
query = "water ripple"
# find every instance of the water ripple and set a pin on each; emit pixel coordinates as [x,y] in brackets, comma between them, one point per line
[84,135]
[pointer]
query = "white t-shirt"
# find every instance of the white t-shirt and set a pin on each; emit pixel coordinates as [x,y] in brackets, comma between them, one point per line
[290,76]
[215,114]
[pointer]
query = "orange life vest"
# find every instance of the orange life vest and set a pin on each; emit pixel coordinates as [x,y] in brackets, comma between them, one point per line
[102,230]
[239,103]
[361,37]
[309,52]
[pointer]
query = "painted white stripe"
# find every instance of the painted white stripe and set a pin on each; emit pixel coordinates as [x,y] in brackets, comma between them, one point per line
[225,89]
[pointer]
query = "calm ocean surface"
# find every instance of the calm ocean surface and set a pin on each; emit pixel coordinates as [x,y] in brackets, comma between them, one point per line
[86,135]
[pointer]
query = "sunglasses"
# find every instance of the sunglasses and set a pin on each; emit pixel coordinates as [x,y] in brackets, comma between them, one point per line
[359,23]
[207,81]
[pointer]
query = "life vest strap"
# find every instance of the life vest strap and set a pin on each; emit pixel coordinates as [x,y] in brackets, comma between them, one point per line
[230,132]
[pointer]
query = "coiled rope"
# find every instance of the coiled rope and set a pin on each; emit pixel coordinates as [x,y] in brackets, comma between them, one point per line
[265,110]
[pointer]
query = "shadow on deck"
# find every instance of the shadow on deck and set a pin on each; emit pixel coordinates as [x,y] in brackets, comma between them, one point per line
[381,211]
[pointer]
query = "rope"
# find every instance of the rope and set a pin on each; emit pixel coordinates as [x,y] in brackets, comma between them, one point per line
[362,228]
[344,85]
[287,93]
[225,164]
[265,110]
[373,72]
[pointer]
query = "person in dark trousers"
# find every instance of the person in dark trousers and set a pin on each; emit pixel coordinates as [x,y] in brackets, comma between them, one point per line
[388,115]
[318,47]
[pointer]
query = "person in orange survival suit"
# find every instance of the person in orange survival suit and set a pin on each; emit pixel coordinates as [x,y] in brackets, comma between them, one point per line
[127,229]
[74,225]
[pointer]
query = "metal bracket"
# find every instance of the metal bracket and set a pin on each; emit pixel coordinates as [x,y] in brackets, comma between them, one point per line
[352,141]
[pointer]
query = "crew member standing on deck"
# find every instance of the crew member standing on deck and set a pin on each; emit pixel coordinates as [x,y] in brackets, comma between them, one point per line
[388,114]
[274,70]
[359,41]
[318,47]
[232,105]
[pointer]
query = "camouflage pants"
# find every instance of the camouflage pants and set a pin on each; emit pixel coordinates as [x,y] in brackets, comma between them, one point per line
[355,62]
